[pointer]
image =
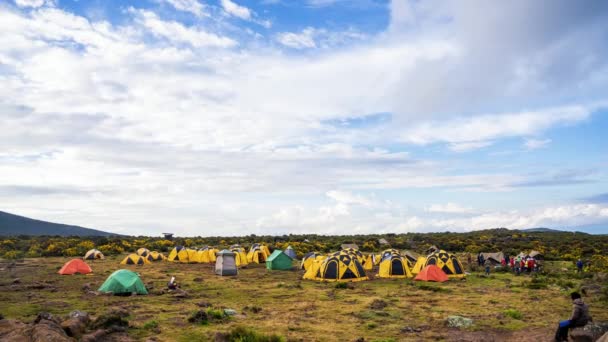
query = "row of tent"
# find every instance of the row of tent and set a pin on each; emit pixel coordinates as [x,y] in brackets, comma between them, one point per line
[351,265]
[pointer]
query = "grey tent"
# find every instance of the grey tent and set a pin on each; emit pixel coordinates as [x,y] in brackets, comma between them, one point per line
[225,264]
[349,245]
[495,258]
[412,257]
[291,252]
[536,255]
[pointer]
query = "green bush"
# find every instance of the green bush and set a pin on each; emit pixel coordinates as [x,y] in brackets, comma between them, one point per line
[242,334]
[372,325]
[151,325]
[513,313]
[341,285]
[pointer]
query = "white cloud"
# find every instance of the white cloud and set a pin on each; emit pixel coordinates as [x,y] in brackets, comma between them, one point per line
[534,144]
[178,33]
[34,3]
[450,208]
[193,6]
[302,40]
[466,146]
[236,10]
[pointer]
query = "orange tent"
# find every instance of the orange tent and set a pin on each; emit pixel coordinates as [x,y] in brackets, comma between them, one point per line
[432,273]
[75,266]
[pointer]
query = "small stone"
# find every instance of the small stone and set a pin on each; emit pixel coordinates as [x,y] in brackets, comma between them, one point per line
[459,322]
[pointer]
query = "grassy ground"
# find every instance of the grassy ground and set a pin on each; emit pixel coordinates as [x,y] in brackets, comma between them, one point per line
[296,309]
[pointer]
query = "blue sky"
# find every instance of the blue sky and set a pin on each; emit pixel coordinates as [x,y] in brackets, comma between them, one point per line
[236,117]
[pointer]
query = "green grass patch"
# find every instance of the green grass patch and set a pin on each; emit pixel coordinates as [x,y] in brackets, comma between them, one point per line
[242,334]
[151,325]
[513,313]
[432,288]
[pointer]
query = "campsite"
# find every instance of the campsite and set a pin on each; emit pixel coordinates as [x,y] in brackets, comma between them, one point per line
[364,296]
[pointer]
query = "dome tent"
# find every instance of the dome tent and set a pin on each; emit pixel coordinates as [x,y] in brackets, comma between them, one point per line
[432,273]
[278,260]
[343,267]
[257,254]
[291,252]
[144,252]
[447,262]
[240,256]
[369,262]
[134,259]
[156,256]
[123,282]
[179,254]
[93,254]
[394,266]
[75,266]
[225,263]
[309,258]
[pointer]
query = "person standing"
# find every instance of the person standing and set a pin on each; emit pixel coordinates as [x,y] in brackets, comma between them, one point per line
[579,265]
[580,317]
[487,265]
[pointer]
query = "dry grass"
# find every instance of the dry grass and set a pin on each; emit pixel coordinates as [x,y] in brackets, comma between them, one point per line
[298,310]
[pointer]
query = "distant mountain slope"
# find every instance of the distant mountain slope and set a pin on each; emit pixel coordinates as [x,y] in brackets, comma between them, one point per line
[542,230]
[18,225]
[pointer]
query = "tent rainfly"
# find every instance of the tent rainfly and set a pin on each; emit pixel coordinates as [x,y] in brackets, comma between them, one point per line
[225,263]
[291,252]
[278,260]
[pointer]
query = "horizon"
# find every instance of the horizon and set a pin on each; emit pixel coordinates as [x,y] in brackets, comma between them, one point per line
[330,117]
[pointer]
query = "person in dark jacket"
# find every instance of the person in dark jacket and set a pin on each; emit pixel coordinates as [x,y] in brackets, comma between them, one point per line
[579,265]
[580,317]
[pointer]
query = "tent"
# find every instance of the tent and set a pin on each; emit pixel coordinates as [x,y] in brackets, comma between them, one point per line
[387,253]
[212,254]
[313,267]
[256,254]
[134,259]
[278,260]
[432,273]
[308,259]
[156,256]
[193,256]
[123,282]
[349,245]
[495,258]
[93,254]
[419,265]
[447,262]
[369,262]
[341,268]
[240,256]
[75,266]
[291,252]
[179,254]
[394,266]
[412,257]
[536,255]
[144,252]
[225,263]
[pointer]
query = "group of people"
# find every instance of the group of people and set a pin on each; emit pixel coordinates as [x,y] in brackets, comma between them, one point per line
[518,264]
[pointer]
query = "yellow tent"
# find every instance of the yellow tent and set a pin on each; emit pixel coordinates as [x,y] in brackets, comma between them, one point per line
[179,254]
[211,253]
[313,267]
[394,266]
[256,254]
[447,262]
[93,254]
[240,256]
[192,256]
[369,262]
[134,259]
[419,265]
[308,259]
[203,255]
[156,256]
[341,268]
[143,252]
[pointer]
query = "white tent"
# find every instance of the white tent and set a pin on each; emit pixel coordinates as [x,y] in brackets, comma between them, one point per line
[225,263]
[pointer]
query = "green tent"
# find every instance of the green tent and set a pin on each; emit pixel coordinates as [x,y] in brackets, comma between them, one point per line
[123,282]
[278,261]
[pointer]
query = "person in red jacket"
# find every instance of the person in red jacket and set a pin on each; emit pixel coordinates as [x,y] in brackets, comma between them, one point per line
[530,264]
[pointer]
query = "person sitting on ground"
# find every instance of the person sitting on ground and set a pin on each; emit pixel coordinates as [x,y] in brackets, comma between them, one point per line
[580,317]
[579,265]
[172,285]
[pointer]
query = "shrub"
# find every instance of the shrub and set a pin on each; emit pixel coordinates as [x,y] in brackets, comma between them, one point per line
[341,285]
[513,313]
[242,334]
[151,325]
[372,325]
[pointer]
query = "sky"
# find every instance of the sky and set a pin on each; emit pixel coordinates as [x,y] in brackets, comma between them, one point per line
[238,117]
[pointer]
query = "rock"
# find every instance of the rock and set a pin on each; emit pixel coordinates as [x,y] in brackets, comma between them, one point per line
[203,304]
[378,304]
[589,290]
[12,330]
[74,327]
[114,318]
[114,334]
[590,332]
[229,312]
[410,330]
[86,287]
[180,294]
[604,338]
[459,322]
[48,328]
[17,281]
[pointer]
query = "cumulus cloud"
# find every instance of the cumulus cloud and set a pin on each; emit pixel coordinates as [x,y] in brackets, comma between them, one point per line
[193,6]
[236,10]
[535,144]
[209,136]
[34,3]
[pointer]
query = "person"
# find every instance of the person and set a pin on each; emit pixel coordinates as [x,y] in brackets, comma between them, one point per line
[579,266]
[470,261]
[518,265]
[530,265]
[487,264]
[172,285]
[580,317]
[482,260]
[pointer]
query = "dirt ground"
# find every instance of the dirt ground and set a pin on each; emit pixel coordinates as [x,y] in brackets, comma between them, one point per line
[280,302]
